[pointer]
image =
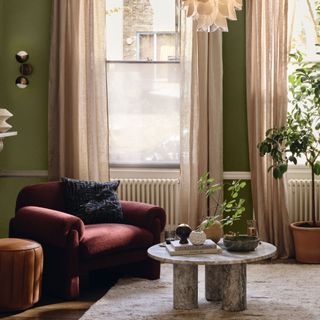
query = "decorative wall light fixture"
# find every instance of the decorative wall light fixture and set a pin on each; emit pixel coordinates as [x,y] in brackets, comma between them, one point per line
[212,15]
[25,69]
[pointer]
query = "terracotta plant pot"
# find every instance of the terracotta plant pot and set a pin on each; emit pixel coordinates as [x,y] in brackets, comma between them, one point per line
[306,242]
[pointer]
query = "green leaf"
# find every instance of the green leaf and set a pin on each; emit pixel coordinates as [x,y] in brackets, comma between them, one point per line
[283,167]
[243,184]
[316,168]
[262,149]
[277,173]
[293,159]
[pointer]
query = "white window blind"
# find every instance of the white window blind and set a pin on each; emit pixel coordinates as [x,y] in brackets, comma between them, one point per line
[143,76]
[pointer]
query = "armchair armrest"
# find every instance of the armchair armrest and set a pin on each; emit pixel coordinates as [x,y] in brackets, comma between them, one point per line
[142,214]
[45,225]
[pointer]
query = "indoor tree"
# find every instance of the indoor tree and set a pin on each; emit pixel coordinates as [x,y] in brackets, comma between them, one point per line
[299,137]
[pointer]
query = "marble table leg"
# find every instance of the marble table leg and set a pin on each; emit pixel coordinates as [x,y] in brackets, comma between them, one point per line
[214,282]
[234,296]
[185,286]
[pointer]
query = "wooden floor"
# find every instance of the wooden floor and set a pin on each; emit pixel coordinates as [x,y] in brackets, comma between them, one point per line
[56,309]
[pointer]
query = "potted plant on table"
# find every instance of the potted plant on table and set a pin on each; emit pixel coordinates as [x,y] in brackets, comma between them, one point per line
[300,137]
[225,213]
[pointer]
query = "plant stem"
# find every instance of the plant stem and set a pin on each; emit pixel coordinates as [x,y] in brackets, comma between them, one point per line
[313,201]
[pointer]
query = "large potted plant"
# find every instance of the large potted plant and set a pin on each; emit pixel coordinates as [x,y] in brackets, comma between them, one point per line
[299,138]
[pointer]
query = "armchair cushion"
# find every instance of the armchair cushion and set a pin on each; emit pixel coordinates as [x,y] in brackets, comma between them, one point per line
[102,239]
[93,202]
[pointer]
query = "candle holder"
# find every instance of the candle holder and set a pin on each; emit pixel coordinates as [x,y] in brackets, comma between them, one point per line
[252,228]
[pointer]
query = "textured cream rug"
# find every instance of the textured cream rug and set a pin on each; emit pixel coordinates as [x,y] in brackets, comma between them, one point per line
[274,291]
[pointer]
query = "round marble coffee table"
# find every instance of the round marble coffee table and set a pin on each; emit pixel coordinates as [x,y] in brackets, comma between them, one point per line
[225,275]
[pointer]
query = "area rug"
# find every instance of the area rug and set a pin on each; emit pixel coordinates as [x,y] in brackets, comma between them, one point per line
[274,291]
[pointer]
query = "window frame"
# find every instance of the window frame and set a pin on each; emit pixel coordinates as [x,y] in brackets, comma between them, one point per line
[299,171]
[155,44]
[150,168]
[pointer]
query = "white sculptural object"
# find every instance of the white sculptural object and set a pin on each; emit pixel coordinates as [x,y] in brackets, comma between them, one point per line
[4,116]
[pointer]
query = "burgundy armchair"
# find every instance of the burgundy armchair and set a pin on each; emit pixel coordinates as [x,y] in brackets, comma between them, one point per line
[72,248]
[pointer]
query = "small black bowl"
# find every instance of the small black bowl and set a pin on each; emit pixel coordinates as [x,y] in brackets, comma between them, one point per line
[241,243]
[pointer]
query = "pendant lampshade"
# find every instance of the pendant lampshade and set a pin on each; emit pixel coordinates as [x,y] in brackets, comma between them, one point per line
[212,15]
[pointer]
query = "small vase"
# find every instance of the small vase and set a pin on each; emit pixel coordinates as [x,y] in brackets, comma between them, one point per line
[183,230]
[4,115]
[214,232]
[197,237]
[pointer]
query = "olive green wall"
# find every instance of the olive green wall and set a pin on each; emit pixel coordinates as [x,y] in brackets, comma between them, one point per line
[235,136]
[24,25]
[1,37]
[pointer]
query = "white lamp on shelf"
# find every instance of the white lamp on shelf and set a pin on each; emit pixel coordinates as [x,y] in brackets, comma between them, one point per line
[4,116]
[4,126]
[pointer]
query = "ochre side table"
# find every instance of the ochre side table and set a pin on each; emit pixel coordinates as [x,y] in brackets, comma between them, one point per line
[21,264]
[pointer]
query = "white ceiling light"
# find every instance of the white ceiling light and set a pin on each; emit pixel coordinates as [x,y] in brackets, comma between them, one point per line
[212,15]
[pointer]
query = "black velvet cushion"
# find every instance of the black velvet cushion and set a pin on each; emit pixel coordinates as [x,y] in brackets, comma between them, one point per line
[93,202]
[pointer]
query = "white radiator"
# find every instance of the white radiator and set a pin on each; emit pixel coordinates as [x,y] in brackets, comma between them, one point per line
[299,197]
[160,192]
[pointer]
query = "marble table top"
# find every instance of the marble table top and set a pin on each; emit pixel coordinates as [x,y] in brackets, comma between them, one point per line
[263,251]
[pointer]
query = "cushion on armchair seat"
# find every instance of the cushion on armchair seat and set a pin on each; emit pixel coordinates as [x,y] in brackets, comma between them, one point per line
[101,239]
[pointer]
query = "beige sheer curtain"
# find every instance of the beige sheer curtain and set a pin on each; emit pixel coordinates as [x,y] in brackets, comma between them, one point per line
[78,120]
[201,117]
[267,54]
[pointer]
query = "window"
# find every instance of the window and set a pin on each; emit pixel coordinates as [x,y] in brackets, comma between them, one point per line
[157,46]
[304,35]
[304,28]
[143,73]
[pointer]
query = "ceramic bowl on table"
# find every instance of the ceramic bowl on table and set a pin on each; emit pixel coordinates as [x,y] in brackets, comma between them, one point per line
[241,243]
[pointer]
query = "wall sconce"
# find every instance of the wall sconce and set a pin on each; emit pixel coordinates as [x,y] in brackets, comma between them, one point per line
[25,69]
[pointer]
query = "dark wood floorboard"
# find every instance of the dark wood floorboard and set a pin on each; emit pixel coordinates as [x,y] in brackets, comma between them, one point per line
[50,308]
